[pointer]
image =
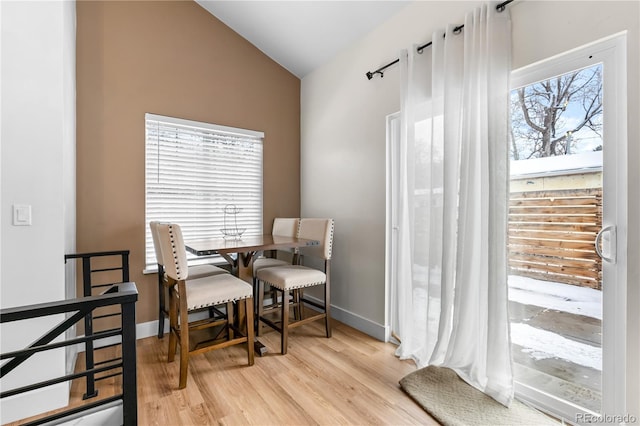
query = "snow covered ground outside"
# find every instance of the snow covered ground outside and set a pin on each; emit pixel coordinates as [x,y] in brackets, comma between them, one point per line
[560,297]
[542,344]
[537,343]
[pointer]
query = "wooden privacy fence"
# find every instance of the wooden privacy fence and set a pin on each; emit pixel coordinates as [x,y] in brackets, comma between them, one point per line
[552,233]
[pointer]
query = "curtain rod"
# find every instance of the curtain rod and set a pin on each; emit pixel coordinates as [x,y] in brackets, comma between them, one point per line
[456,30]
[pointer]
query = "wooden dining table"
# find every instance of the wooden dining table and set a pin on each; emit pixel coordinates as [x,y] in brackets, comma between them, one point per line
[240,253]
[245,250]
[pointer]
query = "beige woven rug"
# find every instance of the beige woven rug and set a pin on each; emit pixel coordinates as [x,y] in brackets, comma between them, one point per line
[451,401]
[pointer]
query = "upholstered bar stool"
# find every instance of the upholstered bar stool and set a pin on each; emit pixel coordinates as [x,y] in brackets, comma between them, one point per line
[286,279]
[195,271]
[186,294]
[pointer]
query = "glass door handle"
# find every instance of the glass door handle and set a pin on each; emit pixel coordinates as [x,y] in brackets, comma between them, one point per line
[611,242]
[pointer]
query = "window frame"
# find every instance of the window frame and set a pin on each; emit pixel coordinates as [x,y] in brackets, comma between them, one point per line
[201,156]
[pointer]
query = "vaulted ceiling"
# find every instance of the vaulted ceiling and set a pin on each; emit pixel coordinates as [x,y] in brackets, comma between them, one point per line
[302,35]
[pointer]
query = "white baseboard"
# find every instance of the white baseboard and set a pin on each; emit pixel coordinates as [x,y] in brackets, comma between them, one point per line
[365,325]
[148,329]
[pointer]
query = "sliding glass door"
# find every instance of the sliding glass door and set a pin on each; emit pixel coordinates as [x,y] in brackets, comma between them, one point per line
[567,222]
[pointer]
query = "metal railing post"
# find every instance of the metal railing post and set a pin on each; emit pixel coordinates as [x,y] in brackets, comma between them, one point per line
[88,330]
[129,383]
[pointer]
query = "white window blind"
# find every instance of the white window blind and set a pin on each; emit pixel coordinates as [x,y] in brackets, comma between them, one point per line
[194,170]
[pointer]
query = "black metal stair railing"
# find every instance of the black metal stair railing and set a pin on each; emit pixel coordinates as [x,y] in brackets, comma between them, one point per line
[99,270]
[123,295]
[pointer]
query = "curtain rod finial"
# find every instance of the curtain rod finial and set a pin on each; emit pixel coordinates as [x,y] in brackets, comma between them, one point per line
[369,75]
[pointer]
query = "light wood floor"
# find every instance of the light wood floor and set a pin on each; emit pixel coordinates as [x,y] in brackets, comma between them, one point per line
[349,379]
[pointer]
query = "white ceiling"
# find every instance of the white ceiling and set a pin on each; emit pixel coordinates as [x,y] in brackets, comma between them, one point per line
[302,35]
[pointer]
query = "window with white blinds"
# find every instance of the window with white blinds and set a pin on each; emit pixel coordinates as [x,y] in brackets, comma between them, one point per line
[194,170]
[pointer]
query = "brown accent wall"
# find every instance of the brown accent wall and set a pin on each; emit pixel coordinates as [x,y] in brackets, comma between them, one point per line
[170,58]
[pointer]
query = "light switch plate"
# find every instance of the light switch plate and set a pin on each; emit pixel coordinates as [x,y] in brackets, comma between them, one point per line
[21,215]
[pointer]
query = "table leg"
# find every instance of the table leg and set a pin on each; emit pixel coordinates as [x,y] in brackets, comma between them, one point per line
[245,272]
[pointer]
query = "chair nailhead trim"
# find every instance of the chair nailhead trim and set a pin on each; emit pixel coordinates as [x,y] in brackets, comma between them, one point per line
[173,247]
[331,239]
[220,302]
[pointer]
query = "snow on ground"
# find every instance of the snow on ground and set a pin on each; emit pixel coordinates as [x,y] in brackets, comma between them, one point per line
[539,344]
[561,297]
[542,344]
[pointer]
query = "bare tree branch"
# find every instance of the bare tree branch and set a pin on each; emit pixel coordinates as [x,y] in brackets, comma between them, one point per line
[539,127]
[525,112]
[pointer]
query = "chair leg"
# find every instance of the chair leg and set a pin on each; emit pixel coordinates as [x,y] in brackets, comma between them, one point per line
[230,320]
[327,307]
[173,325]
[260,307]
[184,337]
[285,322]
[255,301]
[297,299]
[250,330]
[274,296]
[161,306]
[293,305]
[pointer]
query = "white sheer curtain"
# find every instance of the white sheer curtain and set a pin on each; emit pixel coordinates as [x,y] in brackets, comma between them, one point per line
[451,279]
